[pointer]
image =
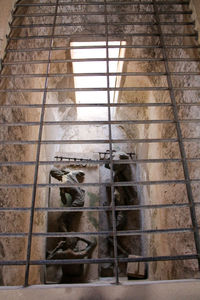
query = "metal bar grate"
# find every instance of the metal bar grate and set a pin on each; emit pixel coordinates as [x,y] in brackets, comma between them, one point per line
[38,156]
[181,145]
[151,117]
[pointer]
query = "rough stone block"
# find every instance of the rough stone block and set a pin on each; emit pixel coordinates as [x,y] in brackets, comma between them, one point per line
[136,270]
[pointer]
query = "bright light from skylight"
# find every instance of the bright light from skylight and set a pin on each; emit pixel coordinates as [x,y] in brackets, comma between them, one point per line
[93,113]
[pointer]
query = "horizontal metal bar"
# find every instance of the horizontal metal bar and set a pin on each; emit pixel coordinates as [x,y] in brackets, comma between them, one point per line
[49,209]
[183,2]
[188,104]
[182,46]
[82,47]
[139,104]
[184,73]
[99,162]
[144,13]
[125,233]
[189,121]
[90,74]
[127,89]
[10,63]
[99,260]
[101,24]
[54,75]
[175,23]
[98,208]
[87,142]
[102,208]
[129,183]
[99,141]
[77,123]
[160,258]
[129,3]
[153,231]
[98,233]
[52,262]
[77,35]
[55,90]
[103,47]
[102,3]
[91,105]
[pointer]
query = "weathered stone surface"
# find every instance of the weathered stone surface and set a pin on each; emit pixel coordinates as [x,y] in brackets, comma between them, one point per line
[195,6]
[167,244]
[136,270]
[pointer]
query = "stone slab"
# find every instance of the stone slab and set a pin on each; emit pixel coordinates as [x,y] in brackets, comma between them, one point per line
[136,269]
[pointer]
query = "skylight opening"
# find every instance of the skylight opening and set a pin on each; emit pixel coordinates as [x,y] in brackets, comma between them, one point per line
[97,81]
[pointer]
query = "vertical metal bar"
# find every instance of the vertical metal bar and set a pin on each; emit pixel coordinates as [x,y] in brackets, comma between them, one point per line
[38,152]
[110,149]
[179,134]
[47,220]
[49,192]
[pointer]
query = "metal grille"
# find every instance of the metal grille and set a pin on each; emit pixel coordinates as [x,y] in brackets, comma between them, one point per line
[153,27]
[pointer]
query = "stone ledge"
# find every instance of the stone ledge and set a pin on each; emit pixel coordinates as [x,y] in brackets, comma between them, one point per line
[162,290]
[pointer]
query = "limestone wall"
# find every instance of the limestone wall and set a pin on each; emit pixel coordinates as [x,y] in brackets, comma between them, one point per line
[164,244]
[8,5]
[195,6]
[5,17]
[14,221]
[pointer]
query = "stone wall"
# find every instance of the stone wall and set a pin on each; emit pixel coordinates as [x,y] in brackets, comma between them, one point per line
[5,17]
[163,244]
[8,5]
[195,6]
[21,197]
[155,245]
